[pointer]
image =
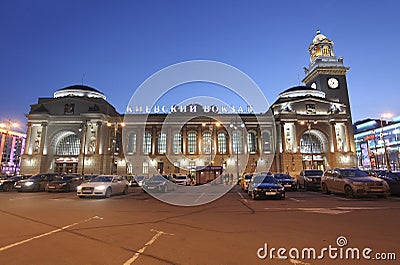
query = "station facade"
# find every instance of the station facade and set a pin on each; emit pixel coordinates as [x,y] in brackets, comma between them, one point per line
[309,126]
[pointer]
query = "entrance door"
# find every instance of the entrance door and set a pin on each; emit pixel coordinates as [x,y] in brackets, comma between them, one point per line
[69,168]
[160,167]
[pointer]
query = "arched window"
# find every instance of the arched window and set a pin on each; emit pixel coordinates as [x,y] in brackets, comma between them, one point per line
[69,145]
[147,143]
[252,142]
[222,143]
[207,144]
[162,143]
[192,142]
[131,148]
[237,144]
[311,144]
[177,143]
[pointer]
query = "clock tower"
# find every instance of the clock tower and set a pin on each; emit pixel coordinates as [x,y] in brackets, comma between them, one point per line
[326,72]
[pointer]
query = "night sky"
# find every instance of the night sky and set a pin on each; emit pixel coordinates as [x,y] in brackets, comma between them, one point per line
[114,46]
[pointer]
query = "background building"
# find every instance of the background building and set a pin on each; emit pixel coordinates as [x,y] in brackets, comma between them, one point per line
[378,143]
[11,149]
[78,131]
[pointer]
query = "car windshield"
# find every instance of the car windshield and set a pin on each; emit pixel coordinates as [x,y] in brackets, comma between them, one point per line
[282,176]
[353,173]
[264,179]
[157,178]
[36,177]
[102,179]
[313,173]
[139,178]
[181,177]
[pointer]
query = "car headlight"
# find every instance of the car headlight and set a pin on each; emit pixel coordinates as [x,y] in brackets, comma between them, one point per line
[101,187]
[358,183]
[79,188]
[29,183]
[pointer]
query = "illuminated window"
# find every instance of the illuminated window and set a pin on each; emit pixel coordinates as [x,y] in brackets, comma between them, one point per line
[192,142]
[162,143]
[147,143]
[131,148]
[252,142]
[177,143]
[222,143]
[237,144]
[207,144]
[69,145]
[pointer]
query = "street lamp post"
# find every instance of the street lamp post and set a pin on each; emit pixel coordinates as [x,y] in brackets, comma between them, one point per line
[235,125]
[114,144]
[387,162]
[83,129]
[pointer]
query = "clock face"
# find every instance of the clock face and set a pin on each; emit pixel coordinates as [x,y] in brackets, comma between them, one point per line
[333,82]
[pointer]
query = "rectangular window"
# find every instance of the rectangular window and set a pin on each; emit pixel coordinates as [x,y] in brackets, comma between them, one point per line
[145,167]
[192,142]
[177,167]
[222,143]
[131,143]
[177,143]
[252,142]
[162,143]
[147,143]
[207,143]
[237,144]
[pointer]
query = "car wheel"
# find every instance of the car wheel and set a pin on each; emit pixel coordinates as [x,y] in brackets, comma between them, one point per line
[305,186]
[125,191]
[348,192]
[81,197]
[325,189]
[37,188]
[298,185]
[108,193]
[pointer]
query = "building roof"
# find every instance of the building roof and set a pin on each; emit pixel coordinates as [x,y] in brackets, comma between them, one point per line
[79,91]
[301,91]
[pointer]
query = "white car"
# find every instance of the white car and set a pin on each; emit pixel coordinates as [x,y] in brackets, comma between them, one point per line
[182,180]
[103,186]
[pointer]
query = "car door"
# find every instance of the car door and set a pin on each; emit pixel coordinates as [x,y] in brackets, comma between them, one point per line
[338,182]
[328,180]
[116,185]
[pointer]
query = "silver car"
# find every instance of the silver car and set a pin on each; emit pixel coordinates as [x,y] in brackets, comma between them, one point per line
[103,186]
[353,182]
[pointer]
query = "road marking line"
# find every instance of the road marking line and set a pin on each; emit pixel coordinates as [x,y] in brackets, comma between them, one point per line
[241,196]
[48,233]
[296,200]
[149,243]
[199,197]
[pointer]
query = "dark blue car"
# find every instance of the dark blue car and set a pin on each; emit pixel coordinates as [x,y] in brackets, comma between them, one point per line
[265,186]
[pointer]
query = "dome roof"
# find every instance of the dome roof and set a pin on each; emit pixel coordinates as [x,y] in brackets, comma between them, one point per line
[319,37]
[79,91]
[301,91]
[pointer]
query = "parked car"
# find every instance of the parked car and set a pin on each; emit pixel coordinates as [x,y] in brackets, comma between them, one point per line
[103,186]
[8,183]
[182,180]
[310,179]
[136,181]
[353,182]
[65,183]
[157,183]
[286,181]
[391,178]
[35,183]
[264,186]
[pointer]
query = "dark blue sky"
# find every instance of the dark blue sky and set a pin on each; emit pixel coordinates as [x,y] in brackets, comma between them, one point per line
[47,45]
